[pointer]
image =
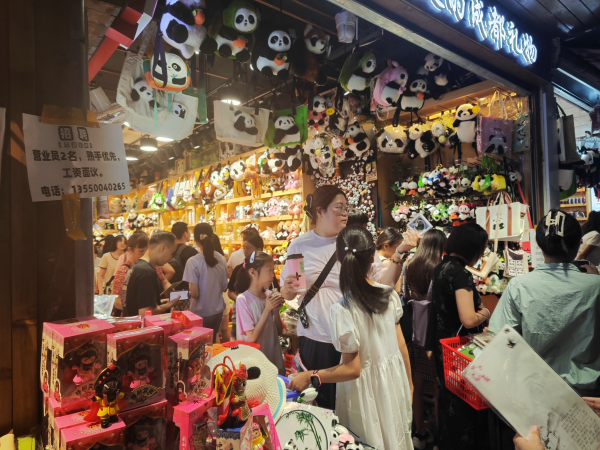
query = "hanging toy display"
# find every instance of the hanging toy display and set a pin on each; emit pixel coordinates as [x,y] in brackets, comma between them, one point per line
[413,98]
[317,115]
[108,398]
[158,202]
[182,25]
[356,143]
[310,52]
[465,124]
[389,85]
[231,34]
[440,71]
[271,56]
[391,139]
[357,72]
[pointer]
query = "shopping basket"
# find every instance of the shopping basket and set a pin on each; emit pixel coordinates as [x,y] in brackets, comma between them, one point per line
[454,365]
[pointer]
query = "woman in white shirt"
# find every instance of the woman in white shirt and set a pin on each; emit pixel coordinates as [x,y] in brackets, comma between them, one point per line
[590,243]
[112,251]
[328,210]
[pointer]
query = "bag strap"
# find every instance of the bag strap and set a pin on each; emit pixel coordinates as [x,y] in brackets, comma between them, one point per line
[159,57]
[180,250]
[314,289]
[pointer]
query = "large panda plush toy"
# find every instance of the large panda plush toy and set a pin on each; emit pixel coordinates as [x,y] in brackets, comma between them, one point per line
[245,123]
[392,140]
[465,124]
[357,72]
[286,130]
[271,56]
[231,34]
[289,158]
[413,97]
[356,142]
[182,25]
[438,69]
[424,141]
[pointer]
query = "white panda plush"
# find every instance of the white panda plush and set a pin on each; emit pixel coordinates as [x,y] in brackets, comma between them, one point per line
[317,115]
[142,91]
[392,140]
[286,130]
[422,143]
[465,124]
[339,120]
[179,110]
[237,170]
[120,222]
[437,67]
[245,122]
[356,142]
[413,97]
[182,25]
[271,56]
[290,157]
[326,162]
[310,148]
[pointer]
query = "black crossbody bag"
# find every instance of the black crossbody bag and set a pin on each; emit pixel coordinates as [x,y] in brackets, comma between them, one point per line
[314,289]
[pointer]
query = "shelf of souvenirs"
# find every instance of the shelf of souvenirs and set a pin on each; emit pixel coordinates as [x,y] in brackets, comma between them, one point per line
[262,219]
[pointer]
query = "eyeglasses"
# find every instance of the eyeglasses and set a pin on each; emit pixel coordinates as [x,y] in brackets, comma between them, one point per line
[341,209]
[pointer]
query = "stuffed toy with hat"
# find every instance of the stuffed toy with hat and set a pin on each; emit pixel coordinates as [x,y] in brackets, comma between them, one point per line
[271,56]
[357,72]
[108,398]
[231,34]
[182,25]
[389,85]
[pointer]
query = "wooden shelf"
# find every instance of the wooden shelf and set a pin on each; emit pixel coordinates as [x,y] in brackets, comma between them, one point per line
[278,193]
[581,219]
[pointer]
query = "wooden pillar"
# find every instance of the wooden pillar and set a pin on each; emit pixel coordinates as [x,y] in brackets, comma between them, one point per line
[44,274]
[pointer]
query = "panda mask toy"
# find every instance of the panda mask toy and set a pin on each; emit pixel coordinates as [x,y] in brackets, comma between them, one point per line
[182,25]
[357,143]
[271,56]
[286,130]
[245,123]
[392,140]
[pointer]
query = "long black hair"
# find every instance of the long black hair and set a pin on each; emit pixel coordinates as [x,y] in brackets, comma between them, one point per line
[243,280]
[592,223]
[355,250]
[217,244]
[203,234]
[419,271]
[389,236]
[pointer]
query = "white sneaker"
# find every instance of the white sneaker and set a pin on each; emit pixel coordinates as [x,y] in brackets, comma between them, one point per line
[420,441]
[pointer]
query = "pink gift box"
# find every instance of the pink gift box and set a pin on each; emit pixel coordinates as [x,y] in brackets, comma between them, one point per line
[262,416]
[173,322]
[78,356]
[146,426]
[187,354]
[91,436]
[140,356]
[125,323]
[192,420]
[63,422]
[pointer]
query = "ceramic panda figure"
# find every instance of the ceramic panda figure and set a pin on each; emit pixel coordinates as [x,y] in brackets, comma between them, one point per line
[245,122]
[179,110]
[497,145]
[271,56]
[413,98]
[357,143]
[286,130]
[465,123]
[142,91]
[392,140]
[182,25]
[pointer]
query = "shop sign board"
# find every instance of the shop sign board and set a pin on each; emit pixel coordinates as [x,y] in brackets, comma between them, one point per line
[489,25]
[70,159]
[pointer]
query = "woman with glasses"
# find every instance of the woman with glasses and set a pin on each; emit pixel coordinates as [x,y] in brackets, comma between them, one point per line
[328,210]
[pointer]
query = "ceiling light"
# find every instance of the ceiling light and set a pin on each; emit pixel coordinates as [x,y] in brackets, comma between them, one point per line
[172,157]
[131,154]
[230,95]
[148,144]
[164,139]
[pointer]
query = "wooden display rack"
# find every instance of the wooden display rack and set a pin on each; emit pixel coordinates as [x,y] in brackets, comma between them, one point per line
[583,195]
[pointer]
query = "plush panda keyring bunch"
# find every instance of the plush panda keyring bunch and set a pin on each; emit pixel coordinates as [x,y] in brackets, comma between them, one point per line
[271,56]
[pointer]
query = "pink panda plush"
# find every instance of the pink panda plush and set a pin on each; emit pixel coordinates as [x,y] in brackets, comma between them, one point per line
[390,84]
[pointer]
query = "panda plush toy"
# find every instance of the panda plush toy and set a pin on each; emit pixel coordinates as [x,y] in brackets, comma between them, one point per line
[271,55]
[356,142]
[392,140]
[245,123]
[309,53]
[311,149]
[425,142]
[357,72]
[231,34]
[317,115]
[438,70]
[290,158]
[413,97]
[286,130]
[465,124]
[142,91]
[390,84]
[182,25]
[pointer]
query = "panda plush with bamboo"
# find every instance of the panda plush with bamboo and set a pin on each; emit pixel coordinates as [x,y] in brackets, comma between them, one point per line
[271,56]
[357,72]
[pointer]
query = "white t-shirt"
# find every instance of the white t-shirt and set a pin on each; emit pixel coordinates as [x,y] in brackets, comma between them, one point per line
[236,259]
[591,238]
[316,251]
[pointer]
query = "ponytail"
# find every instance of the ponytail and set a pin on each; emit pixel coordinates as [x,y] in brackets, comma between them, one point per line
[255,261]
[203,234]
[355,250]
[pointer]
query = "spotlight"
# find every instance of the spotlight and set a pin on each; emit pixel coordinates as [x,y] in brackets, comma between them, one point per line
[230,95]
[148,144]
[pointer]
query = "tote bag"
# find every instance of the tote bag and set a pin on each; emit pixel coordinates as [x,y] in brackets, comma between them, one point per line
[240,124]
[494,134]
[567,143]
[505,220]
[287,127]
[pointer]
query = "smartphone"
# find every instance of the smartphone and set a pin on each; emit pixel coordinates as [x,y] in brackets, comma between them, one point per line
[185,295]
[170,288]
[581,262]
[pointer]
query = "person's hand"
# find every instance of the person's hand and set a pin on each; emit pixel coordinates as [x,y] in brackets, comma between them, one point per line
[300,381]
[593,403]
[591,269]
[534,444]
[290,283]
[411,240]
[175,301]
[273,303]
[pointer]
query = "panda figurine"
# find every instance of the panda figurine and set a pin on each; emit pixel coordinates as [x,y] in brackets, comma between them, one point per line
[413,98]
[245,122]
[271,56]
[182,25]
[465,124]
[286,130]
[356,142]
[231,32]
[392,140]
[142,91]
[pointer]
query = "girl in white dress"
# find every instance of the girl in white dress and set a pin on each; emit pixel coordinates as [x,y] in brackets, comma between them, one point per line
[374,379]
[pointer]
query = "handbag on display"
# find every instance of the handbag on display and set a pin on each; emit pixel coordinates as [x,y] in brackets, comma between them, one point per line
[495,134]
[287,127]
[240,124]
[567,142]
[486,264]
[504,220]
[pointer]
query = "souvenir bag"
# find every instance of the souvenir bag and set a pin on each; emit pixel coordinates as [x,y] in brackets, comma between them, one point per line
[567,142]
[504,220]
[287,127]
[495,134]
[521,130]
[240,124]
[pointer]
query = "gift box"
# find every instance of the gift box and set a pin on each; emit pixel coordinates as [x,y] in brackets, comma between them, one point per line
[91,436]
[78,356]
[47,346]
[139,354]
[173,322]
[146,427]
[193,421]
[125,323]
[264,433]
[187,354]
[62,423]
[236,438]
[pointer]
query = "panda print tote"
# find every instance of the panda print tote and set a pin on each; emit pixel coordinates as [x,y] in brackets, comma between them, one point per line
[240,124]
[287,127]
[494,134]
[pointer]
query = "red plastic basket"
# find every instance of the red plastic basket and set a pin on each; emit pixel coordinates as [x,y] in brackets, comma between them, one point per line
[454,365]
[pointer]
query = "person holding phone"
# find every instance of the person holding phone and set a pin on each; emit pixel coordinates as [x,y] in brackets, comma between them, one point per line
[258,318]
